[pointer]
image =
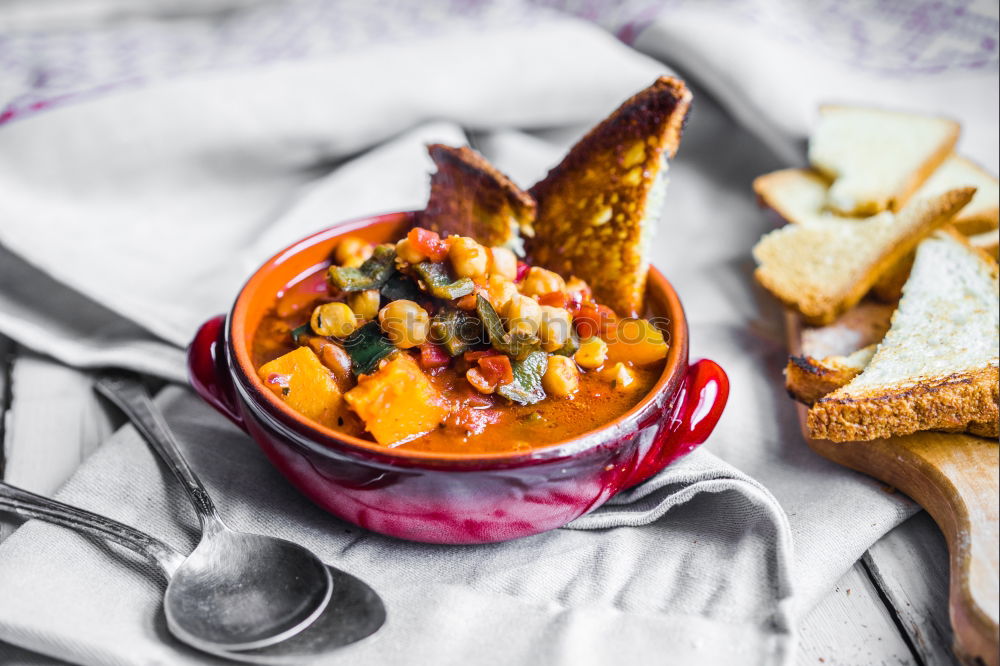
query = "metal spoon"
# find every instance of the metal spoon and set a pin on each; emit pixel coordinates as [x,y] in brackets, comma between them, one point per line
[236,591]
[354,612]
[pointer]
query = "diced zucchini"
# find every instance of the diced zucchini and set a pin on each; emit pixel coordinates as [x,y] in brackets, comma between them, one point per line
[372,274]
[367,346]
[299,333]
[455,330]
[517,346]
[440,283]
[401,287]
[526,388]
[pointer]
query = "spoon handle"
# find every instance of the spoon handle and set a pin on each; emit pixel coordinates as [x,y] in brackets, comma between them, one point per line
[29,505]
[131,396]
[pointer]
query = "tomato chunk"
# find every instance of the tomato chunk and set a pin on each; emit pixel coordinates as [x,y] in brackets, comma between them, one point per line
[475,355]
[429,243]
[497,369]
[554,298]
[594,320]
[433,356]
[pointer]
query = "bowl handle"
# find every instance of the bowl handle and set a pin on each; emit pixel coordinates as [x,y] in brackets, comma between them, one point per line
[693,417]
[208,371]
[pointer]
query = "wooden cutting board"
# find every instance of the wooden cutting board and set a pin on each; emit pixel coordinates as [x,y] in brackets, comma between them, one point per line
[955,478]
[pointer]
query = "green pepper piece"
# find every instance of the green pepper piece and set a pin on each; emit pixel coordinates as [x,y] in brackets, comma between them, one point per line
[456,331]
[517,346]
[372,274]
[570,346]
[526,388]
[401,286]
[299,331]
[367,346]
[440,283]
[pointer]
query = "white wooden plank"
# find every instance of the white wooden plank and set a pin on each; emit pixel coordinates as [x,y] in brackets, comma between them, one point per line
[910,566]
[852,626]
[54,421]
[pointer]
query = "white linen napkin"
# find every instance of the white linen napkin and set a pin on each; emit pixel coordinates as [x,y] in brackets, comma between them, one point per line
[130,213]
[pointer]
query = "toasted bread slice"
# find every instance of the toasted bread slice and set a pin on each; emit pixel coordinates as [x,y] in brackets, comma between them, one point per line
[798,196]
[808,379]
[937,368]
[864,324]
[988,242]
[822,269]
[889,287]
[597,210]
[469,197]
[875,158]
[983,212]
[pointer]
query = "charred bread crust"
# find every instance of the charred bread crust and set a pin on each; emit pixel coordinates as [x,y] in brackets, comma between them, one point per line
[808,379]
[470,197]
[955,402]
[592,205]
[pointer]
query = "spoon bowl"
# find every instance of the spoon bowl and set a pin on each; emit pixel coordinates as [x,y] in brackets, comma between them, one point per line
[245,591]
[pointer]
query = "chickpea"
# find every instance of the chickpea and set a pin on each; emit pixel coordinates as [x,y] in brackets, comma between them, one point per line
[409,253]
[578,290]
[620,376]
[561,378]
[336,319]
[554,328]
[499,291]
[352,251]
[524,315]
[540,281]
[468,258]
[365,303]
[503,263]
[592,353]
[406,323]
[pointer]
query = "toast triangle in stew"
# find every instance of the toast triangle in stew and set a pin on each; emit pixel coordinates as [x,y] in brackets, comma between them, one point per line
[597,210]
[470,197]
[937,368]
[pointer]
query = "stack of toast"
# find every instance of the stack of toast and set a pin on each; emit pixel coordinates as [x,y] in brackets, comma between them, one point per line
[889,257]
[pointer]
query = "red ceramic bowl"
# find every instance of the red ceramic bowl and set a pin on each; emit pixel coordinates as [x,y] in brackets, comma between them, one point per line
[449,498]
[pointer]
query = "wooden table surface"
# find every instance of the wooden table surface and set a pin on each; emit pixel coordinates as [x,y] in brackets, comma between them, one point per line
[890,608]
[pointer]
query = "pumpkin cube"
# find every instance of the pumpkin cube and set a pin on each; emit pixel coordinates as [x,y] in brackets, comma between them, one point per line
[635,340]
[397,402]
[304,383]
